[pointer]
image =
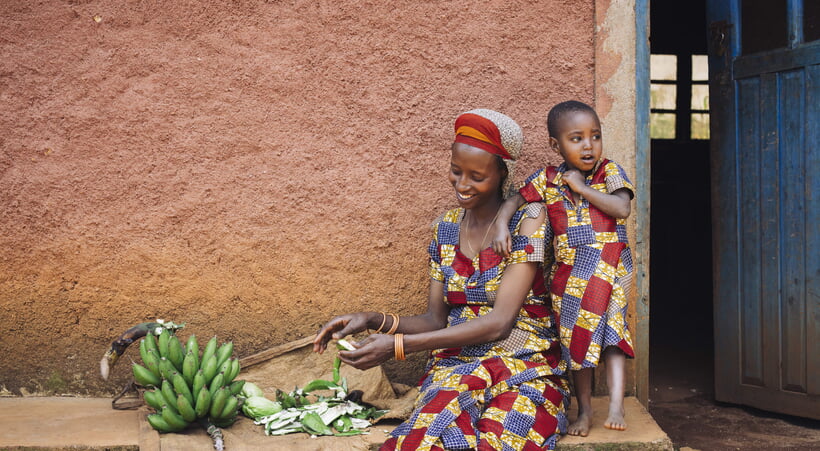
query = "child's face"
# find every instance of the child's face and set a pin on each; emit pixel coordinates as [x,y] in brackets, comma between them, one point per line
[579,140]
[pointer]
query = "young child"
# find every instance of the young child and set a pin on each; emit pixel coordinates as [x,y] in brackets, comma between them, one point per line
[588,200]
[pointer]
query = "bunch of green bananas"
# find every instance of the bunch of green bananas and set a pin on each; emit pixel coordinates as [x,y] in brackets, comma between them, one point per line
[186,386]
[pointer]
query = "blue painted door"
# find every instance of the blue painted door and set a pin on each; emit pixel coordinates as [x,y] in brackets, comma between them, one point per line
[765,157]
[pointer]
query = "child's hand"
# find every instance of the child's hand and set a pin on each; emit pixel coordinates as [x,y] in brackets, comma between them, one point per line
[574,179]
[502,241]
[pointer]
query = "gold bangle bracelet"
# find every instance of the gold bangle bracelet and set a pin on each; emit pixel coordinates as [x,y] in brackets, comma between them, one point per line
[395,324]
[384,319]
[398,346]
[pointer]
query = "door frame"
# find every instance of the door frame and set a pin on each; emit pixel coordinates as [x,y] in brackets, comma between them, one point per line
[643,183]
[621,93]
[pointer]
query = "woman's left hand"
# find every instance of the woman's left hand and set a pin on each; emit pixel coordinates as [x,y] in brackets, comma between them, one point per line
[372,351]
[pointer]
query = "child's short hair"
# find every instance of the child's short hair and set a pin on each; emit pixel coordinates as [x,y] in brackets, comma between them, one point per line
[563,108]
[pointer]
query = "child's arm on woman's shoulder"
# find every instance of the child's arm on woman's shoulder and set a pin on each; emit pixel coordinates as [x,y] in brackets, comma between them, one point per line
[616,204]
[502,241]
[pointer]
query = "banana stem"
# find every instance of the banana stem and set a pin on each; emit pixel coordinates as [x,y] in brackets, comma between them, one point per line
[214,432]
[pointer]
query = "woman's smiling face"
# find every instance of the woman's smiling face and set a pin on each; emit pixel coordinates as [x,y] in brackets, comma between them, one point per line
[475,175]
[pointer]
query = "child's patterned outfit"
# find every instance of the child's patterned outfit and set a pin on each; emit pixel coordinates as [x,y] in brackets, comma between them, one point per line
[592,273]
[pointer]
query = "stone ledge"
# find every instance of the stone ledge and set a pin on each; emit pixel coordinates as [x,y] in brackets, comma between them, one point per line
[64,423]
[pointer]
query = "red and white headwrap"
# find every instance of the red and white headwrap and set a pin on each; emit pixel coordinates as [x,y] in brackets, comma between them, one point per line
[492,132]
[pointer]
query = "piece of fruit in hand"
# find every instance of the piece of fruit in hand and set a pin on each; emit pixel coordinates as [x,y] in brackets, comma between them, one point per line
[344,345]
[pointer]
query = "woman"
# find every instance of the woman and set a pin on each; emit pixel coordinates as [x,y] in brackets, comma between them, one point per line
[495,376]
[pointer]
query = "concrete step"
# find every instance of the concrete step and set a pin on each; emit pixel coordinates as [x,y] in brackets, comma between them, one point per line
[65,423]
[642,432]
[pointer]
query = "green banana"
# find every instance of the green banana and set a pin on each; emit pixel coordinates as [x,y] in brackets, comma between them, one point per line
[198,383]
[143,351]
[162,343]
[166,368]
[151,342]
[225,368]
[192,345]
[318,384]
[151,361]
[144,376]
[154,399]
[218,402]
[168,394]
[186,410]
[235,367]
[210,350]
[189,367]
[181,387]
[217,383]
[230,407]
[209,368]
[175,354]
[203,403]
[174,419]
[236,386]
[223,353]
[157,422]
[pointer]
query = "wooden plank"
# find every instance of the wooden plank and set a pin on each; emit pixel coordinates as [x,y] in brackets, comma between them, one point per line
[812,190]
[794,11]
[751,318]
[777,61]
[793,280]
[642,212]
[770,228]
[791,403]
[275,351]
[724,196]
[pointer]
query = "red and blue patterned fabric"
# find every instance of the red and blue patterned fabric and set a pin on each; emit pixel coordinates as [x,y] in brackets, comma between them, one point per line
[591,276]
[509,394]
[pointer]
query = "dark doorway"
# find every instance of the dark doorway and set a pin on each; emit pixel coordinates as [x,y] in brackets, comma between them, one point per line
[682,350]
[681,335]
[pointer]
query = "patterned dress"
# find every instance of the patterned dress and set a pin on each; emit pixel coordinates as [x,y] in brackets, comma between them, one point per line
[592,273]
[509,394]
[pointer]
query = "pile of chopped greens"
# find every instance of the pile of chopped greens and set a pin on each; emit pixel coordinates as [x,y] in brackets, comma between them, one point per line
[300,411]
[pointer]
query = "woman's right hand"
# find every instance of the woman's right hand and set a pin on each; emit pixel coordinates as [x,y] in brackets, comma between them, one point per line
[338,328]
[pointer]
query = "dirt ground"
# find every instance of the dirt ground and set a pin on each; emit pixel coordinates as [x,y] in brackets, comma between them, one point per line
[681,400]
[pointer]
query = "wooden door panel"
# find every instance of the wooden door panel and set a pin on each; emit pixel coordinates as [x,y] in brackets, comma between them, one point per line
[766,179]
[751,315]
[770,219]
[813,222]
[793,240]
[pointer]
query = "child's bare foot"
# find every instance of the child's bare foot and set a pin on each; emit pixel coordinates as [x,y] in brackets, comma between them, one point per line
[615,420]
[580,426]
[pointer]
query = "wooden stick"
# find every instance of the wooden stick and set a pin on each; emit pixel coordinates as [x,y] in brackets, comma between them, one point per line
[275,351]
